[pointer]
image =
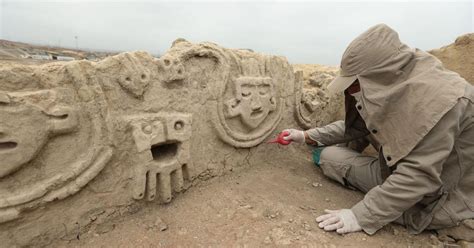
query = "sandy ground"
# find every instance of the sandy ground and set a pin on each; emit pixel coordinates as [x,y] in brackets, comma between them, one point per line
[262,206]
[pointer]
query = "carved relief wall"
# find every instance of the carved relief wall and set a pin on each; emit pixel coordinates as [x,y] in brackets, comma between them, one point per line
[313,105]
[52,143]
[82,136]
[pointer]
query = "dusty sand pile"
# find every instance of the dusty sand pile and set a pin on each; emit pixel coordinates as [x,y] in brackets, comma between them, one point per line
[459,56]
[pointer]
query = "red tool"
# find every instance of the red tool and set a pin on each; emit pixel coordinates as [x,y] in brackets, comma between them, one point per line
[279,139]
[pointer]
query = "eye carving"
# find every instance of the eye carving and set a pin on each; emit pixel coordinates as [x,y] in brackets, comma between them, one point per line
[263,90]
[246,93]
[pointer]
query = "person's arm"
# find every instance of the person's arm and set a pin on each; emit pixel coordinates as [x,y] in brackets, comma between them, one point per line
[416,175]
[318,136]
[333,133]
[327,135]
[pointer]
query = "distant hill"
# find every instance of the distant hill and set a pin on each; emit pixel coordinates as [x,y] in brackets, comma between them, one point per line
[11,50]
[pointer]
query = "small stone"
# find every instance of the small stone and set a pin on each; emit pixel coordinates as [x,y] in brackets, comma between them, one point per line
[267,240]
[290,220]
[315,184]
[247,206]
[327,199]
[396,232]
[465,244]
[104,228]
[364,239]
[272,216]
[445,238]
[182,231]
[162,226]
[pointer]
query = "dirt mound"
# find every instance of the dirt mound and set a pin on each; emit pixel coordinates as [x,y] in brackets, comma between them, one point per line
[458,56]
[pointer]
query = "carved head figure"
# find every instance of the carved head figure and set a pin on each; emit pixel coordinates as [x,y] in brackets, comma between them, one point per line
[28,120]
[254,100]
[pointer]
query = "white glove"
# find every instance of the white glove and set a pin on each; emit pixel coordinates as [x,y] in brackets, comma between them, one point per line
[295,135]
[343,221]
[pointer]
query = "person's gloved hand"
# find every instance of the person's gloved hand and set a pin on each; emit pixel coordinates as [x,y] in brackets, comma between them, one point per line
[295,135]
[343,221]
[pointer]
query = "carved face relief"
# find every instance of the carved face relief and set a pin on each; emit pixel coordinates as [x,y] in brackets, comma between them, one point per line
[23,132]
[162,146]
[254,100]
[25,128]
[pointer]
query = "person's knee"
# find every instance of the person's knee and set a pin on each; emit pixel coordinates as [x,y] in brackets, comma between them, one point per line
[333,165]
[350,168]
[338,154]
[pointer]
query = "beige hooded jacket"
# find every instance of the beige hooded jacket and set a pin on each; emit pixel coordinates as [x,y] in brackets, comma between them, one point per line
[421,119]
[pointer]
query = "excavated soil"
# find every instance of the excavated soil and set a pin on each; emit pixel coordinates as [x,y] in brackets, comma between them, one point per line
[459,56]
[262,206]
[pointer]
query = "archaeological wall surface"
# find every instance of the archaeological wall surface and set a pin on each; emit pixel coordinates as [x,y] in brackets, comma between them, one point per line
[80,141]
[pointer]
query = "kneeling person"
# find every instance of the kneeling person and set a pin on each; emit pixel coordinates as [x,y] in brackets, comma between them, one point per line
[419,116]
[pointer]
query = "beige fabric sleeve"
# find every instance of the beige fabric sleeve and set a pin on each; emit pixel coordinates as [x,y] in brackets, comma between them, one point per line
[328,134]
[417,175]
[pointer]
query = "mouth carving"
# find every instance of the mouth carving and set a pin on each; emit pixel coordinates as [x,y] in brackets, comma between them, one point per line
[256,113]
[7,145]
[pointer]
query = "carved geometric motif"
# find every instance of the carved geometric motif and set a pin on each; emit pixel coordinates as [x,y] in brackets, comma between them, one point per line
[162,154]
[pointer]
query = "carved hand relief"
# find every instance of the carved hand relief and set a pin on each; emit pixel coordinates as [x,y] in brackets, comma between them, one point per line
[162,154]
[38,133]
[254,100]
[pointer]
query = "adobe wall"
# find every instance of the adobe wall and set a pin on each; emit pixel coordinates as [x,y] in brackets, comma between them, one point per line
[81,142]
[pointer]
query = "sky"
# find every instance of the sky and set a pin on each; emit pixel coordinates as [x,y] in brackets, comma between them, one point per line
[305,32]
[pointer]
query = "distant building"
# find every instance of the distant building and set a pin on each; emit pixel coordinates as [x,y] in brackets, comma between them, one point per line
[91,57]
[40,57]
[64,58]
[51,56]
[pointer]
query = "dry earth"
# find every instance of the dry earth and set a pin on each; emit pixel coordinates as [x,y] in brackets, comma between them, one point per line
[459,56]
[262,206]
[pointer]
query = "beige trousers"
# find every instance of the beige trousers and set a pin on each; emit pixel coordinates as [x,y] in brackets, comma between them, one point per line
[362,172]
[351,168]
